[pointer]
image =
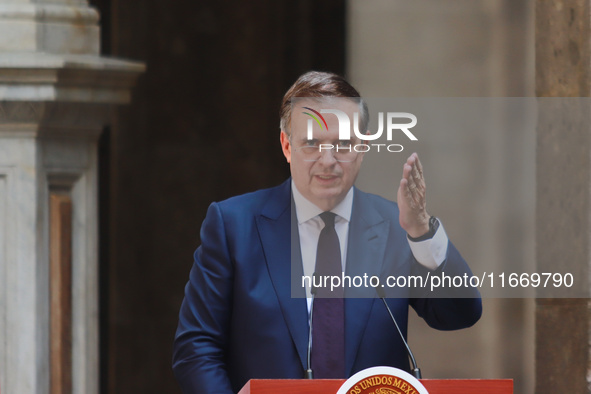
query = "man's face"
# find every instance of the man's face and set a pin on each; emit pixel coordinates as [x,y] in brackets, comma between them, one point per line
[324,182]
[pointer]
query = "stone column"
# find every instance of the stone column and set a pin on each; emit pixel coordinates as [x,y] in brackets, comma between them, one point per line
[563,42]
[56,95]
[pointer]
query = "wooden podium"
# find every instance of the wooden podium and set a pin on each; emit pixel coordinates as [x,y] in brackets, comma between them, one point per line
[330,386]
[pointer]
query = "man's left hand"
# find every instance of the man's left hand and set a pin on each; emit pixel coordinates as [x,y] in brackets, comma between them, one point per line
[412,202]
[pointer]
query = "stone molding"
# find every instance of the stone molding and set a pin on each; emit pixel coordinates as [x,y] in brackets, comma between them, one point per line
[48,27]
[50,13]
[66,78]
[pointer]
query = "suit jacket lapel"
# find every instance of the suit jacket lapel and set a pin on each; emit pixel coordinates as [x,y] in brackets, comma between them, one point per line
[368,235]
[283,256]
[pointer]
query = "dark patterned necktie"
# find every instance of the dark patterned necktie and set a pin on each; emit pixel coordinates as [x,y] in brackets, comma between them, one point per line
[328,313]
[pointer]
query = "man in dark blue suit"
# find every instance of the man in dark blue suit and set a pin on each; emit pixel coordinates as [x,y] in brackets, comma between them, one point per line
[242,318]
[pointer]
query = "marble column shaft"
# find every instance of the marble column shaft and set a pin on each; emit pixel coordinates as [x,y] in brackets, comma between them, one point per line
[56,96]
[563,42]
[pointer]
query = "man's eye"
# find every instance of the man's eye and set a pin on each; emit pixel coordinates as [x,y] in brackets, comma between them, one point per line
[310,143]
[344,143]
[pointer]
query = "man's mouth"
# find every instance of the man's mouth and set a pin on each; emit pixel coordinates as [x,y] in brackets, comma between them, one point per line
[326,177]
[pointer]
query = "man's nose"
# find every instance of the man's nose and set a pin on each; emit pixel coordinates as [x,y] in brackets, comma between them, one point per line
[327,157]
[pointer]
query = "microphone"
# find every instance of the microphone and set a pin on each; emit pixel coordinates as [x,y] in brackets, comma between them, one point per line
[415,369]
[309,374]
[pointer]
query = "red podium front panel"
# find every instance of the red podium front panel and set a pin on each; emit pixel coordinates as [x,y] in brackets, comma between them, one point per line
[468,386]
[329,386]
[289,386]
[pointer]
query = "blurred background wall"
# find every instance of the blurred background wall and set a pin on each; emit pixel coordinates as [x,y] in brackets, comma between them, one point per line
[203,126]
[480,180]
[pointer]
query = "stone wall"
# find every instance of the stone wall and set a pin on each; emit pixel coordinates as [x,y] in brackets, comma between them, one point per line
[481,184]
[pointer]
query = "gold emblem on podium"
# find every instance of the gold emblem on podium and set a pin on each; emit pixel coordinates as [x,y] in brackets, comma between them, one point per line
[382,380]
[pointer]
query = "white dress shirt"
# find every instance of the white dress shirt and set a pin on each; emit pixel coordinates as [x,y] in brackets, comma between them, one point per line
[430,253]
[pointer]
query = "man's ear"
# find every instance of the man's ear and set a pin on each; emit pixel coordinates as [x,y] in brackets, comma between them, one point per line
[285,145]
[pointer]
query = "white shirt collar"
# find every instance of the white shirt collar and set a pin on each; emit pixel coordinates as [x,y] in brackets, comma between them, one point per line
[306,210]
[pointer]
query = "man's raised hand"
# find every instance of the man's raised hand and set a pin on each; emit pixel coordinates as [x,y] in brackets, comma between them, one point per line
[412,202]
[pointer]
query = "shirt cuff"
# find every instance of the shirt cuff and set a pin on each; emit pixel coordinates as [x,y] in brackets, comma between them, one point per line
[430,253]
